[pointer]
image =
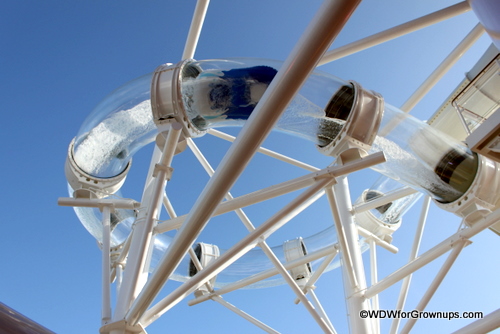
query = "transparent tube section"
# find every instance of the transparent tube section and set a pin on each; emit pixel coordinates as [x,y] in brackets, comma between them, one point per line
[218,93]
[423,157]
[392,212]
[119,126]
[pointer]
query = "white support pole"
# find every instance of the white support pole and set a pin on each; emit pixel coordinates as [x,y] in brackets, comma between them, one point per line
[351,256]
[341,234]
[239,249]
[382,243]
[413,255]
[124,250]
[106,266]
[168,206]
[99,203]
[436,282]
[442,68]
[136,271]
[433,254]
[484,325]
[199,267]
[192,255]
[320,309]
[195,29]
[268,227]
[244,315]
[245,200]
[395,32]
[326,251]
[267,152]
[119,277]
[373,280]
[322,267]
[280,189]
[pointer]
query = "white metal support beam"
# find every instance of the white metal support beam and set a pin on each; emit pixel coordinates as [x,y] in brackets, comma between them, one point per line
[436,282]
[136,271]
[106,244]
[382,200]
[318,272]
[327,251]
[373,280]
[433,254]
[309,288]
[252,239]
[264,246]
[484,325]
[353,267]
[267,152]
[296,289]
[443,68]
[235,252]
[395,32]
[413,255]
[195,29]
[244,315]
[277,190]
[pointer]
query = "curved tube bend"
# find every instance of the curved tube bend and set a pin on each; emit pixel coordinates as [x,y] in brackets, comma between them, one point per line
[202,95]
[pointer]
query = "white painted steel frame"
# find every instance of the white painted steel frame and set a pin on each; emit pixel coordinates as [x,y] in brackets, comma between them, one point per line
[457,248]
[324,28]
[329,252]
[136,271]
[413,255]
[106,265]
[433,253]
[266,193]
[267,152]
[319,317]
[340,201]
[307,54]
[255,237]
[244,315]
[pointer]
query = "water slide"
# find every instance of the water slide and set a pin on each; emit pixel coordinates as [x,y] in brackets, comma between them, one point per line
[340,118]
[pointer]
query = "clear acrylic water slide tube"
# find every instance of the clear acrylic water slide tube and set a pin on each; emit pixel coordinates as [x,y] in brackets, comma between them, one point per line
[383,220]
[123,122]
[417,155]
[218,93]
[215,93]
[423,157]
[118,127]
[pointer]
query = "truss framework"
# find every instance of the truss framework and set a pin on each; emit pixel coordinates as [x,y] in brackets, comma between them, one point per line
[136,289]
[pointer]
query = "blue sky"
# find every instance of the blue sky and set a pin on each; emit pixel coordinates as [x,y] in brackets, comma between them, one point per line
[59,59]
